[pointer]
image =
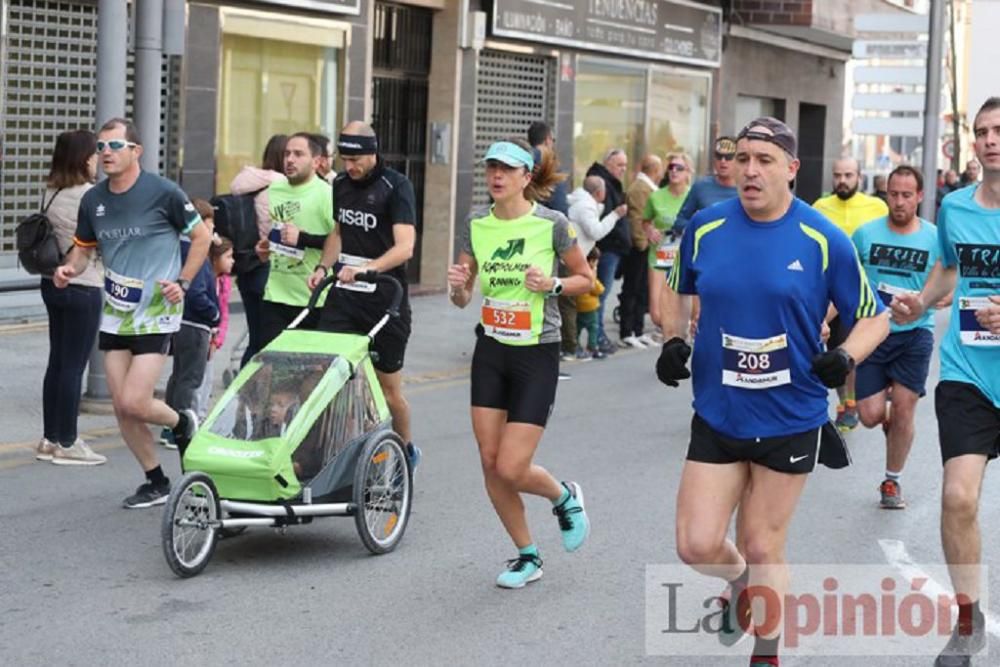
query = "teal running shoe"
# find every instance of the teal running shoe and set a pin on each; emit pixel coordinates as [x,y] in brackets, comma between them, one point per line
[572,516]
[520,571]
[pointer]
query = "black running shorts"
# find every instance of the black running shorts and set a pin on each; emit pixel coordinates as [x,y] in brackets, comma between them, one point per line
[794,454]
[142,344]
[968,423]
[520,379]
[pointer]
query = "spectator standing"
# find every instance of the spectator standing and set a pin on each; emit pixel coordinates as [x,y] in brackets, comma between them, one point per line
[251,276]
[586,312]
[220,255]
[192,343]
[635,293]
[879,188]
[615,244]
[950,184]
[75,312]
[586,206]
[540,136]
[971,173]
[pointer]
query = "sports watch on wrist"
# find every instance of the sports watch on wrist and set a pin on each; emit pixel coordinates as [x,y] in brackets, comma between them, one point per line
[326,269]
[557,287]
[184,284]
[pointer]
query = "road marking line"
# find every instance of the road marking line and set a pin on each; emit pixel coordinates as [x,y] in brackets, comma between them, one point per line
[898,557]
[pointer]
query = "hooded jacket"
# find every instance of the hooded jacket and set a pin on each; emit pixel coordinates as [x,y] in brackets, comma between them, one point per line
[619,240]
[201,303]
[585,216]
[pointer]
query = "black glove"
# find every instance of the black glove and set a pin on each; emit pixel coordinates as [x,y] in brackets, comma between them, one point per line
[832,367]
[670,367]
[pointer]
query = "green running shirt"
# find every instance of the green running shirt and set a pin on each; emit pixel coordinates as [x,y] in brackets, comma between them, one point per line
[504,250]
[309,207]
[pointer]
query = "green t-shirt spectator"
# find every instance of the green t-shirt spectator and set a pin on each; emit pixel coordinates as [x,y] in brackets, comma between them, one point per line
[662,207]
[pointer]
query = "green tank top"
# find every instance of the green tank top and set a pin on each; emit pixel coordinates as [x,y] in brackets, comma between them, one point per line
[504,250]
[662,208]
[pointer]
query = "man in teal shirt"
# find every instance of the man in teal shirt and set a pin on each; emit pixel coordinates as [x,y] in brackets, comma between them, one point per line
[897,252]
[967,399]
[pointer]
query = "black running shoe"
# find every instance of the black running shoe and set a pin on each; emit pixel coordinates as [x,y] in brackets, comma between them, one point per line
[148,495]
[183,437]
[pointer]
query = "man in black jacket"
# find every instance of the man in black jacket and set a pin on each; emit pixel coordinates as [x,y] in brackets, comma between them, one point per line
[618,242]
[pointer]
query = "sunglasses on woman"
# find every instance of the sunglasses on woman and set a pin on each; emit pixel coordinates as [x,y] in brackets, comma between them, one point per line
[676,167]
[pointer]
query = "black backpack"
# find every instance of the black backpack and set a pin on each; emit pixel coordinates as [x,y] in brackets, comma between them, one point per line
[236,219]
[37,246]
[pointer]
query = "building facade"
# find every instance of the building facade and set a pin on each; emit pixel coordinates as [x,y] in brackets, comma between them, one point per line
[439,80]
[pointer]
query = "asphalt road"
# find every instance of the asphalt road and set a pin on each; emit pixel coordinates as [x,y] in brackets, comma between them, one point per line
[83,582]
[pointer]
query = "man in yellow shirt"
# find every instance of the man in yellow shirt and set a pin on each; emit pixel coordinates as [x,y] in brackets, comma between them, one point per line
[848,209]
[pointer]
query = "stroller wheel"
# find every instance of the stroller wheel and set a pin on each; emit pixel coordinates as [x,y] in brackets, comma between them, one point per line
[616,314]
[382,493]
[189,528]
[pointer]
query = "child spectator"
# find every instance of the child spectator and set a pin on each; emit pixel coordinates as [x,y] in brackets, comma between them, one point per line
[191,343]
[586,313]
[220,256]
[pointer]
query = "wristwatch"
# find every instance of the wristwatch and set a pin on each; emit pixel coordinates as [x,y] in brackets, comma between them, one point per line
[326,269]
[557,287]
[184,284]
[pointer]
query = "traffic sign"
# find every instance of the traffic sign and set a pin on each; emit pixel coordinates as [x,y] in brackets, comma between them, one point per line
[948,147]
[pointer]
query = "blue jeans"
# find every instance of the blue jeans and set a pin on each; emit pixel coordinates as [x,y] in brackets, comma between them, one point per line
[251,287]
[606,267]
[74,317]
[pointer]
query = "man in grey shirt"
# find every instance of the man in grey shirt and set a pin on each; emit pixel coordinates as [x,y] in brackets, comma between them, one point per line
[135,219]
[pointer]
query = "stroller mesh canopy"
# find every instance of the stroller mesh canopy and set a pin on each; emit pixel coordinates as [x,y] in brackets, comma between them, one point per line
[266,403]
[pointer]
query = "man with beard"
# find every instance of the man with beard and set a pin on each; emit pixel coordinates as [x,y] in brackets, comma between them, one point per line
[848,209]
[618,242]
[897,253]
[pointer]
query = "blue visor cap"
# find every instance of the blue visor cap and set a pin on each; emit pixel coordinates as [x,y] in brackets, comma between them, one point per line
[510,154]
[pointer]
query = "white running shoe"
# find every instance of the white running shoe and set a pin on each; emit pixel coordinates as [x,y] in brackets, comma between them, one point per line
[634,342]
[43,452]
[648,340]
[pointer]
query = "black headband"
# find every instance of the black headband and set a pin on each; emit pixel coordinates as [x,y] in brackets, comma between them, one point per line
[355,144]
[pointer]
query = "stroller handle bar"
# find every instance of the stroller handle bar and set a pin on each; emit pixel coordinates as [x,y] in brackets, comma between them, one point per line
[368,277]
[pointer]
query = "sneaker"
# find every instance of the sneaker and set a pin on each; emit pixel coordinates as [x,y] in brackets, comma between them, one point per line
[648,340]
[565,376]
[44,449]
[597,354]
[847,420]
[567,356]
[573,521]
[520,571]
[414,454]
[606,346]
[167,438]
[80,454]
[147,495]
[633,342]
[736,618]
[184,439]
[582,354]
[962,646]
[892,495]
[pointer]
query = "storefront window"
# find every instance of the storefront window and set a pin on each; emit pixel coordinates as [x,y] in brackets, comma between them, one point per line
[274,87]
[639,108]
[610,112]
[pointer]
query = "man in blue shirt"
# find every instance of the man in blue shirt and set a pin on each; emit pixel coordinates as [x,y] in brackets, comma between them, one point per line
[898,252]
[708,190]
[765,266]
[967,398]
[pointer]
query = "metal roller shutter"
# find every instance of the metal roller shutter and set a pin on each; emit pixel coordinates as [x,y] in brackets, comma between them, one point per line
[49,66]
[513,89]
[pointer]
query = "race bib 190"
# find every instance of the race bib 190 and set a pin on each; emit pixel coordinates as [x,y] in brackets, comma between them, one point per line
[122,293]
[755,363]
[970,330]
[507,320]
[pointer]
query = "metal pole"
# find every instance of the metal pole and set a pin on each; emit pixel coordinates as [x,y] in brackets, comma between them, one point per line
[112,45]
[932,108]
[148,71]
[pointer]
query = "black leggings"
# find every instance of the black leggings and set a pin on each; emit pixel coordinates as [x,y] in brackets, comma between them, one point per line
[74,317]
